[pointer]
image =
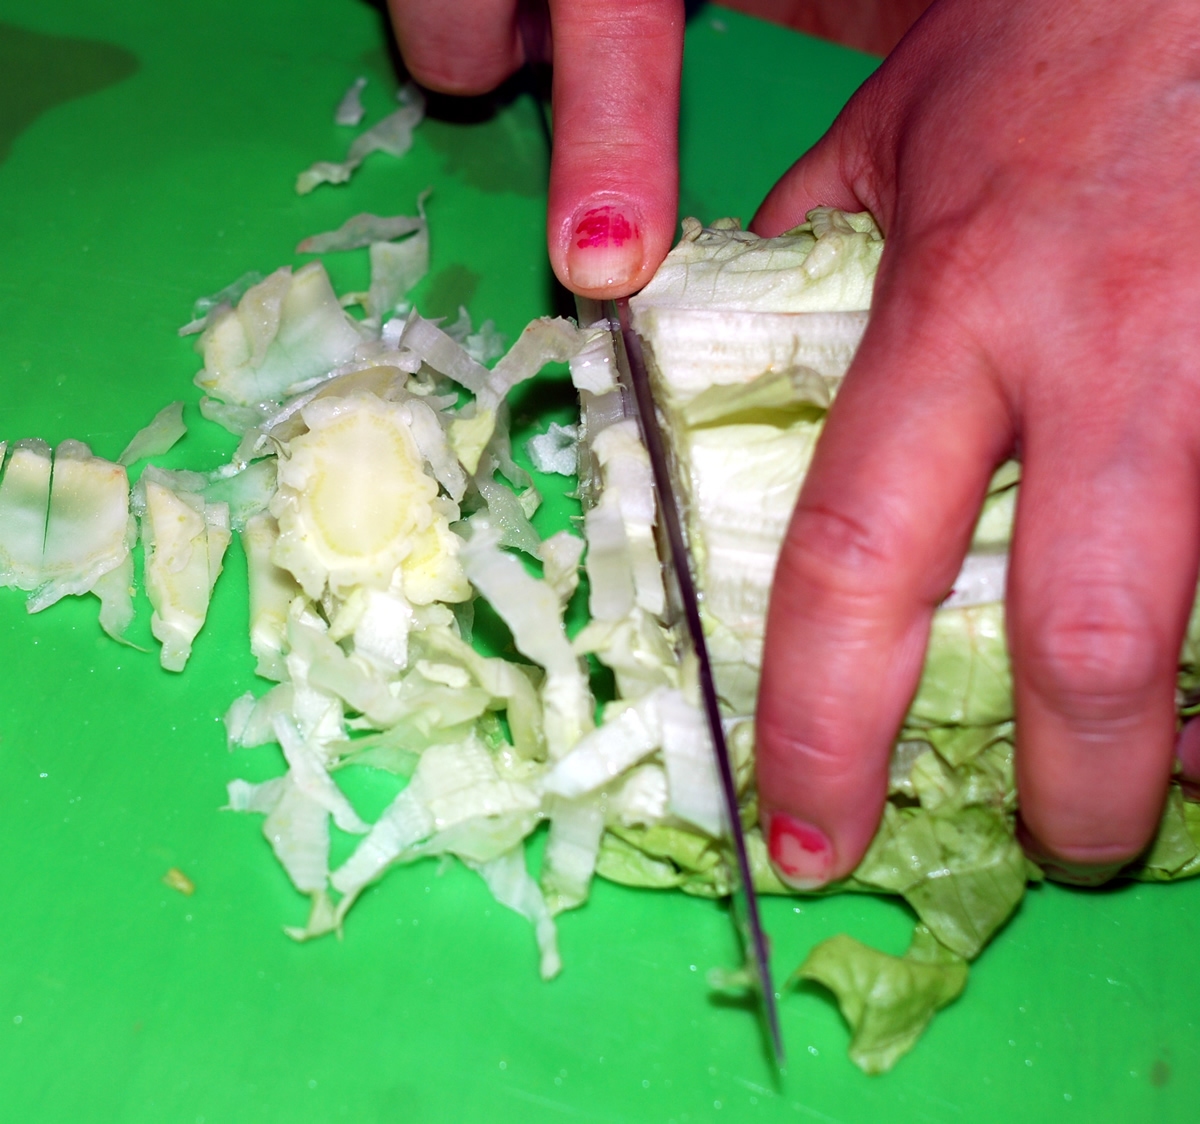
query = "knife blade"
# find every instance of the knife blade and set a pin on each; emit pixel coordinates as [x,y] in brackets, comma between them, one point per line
[534,30]
[683,606]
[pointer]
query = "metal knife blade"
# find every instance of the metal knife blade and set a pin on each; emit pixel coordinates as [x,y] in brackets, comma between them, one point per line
[533,24]
[684,607]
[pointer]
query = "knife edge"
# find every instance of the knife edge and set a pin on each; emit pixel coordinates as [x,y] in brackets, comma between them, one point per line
[683,598]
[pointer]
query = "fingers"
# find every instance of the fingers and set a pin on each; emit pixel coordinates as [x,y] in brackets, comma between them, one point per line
[614,178]
[614,173]
[825,176]
[458,46]
[840,170]
[883,520]
[1103,577]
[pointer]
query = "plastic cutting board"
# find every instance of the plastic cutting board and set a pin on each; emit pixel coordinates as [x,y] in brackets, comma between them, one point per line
[147,156]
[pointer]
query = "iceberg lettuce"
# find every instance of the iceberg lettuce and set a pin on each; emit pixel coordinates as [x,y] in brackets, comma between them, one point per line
[746,341]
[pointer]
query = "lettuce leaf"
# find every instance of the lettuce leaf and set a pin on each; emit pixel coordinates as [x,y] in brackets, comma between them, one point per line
[887,1000]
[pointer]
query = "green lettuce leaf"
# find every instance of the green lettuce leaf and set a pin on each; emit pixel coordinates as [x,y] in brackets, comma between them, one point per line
[623,862]
[966,680]
[953,857]
[827,263]
[694,858]
[887,1000]
[1175,852]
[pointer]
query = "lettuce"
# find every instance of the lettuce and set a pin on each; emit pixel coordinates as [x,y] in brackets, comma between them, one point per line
[746,341]
[887,1000]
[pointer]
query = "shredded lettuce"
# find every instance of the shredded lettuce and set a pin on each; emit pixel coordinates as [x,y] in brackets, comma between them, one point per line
[65,528]
[359,231]
[377,504]
[349,109]
[184,540]
[393,135]
[286,330]
[165,429]
[556,450]
[396,266]
[887,1000]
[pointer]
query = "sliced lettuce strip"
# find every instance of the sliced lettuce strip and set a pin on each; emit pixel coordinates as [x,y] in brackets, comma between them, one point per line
[392,134]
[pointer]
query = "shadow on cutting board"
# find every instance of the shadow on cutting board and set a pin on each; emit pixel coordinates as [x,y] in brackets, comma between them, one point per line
[39,72]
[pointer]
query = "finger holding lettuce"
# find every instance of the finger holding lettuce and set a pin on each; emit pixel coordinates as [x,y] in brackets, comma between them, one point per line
[1020,310]
[1034,316]
[614,175]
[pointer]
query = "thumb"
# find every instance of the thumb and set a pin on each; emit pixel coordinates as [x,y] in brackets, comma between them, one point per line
[835,172]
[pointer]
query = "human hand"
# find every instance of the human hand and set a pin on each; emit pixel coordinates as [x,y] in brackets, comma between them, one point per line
[1034,168]
[614,171]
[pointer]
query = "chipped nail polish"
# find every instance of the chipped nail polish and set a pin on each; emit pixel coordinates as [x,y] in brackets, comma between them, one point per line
[605,248]
[801,853]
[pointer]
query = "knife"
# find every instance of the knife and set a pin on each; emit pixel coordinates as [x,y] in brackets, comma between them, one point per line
[683,613]
[683,606]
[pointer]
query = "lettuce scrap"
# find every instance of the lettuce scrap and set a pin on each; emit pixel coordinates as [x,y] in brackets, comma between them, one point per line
[887,1000]
[392,134]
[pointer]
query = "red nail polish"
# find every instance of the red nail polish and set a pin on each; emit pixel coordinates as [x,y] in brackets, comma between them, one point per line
[604,227]
[802,854]
[605,250]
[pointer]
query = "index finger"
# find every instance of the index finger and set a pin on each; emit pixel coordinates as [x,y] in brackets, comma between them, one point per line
[614,176]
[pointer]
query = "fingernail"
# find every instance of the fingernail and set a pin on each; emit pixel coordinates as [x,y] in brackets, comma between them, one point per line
[802,854]
[1059,871]
[605,248]
[1079,875]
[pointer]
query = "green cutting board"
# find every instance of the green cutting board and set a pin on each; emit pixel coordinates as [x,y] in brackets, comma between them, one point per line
[147,157]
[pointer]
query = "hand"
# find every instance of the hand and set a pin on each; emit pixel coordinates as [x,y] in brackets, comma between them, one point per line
[614,172]
[1034,168]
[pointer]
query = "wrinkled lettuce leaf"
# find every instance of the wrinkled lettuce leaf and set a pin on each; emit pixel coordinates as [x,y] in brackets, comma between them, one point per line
[887,1000]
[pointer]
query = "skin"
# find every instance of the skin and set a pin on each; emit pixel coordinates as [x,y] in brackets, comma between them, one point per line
[1005,148]
[614,178]
[1034,167]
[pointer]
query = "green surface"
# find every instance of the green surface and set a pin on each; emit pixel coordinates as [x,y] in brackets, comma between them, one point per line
[147,154]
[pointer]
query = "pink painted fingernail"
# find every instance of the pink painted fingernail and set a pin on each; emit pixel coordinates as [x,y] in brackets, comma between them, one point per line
[801,853]
[605,248]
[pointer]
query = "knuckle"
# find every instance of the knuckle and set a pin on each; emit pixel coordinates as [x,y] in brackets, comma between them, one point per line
[820,762]
[1094,656]
[834,551]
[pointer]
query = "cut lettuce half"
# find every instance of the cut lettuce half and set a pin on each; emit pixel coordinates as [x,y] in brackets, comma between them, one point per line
[747,341]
